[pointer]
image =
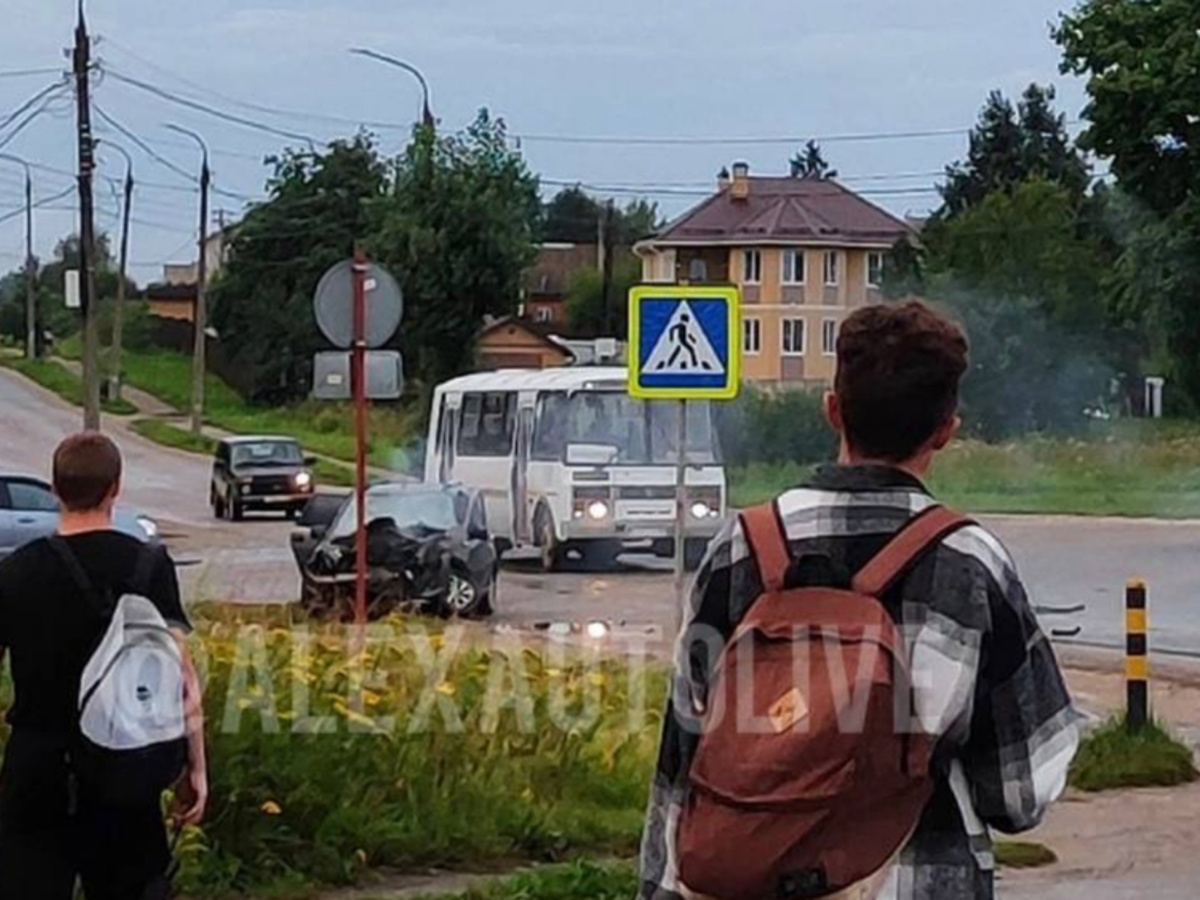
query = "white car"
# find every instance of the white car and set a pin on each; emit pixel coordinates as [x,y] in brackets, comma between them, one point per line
[29,510]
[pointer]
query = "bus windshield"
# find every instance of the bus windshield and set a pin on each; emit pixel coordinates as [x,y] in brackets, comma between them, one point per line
[638,432]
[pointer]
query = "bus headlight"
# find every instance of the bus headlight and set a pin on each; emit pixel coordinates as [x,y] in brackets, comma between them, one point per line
[149,526]
[700,509]
[705,504]
[597,509]
[594,503]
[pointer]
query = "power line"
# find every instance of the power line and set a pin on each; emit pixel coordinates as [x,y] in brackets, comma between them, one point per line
[31,102]
[23,73]
[209,110]
[257,107]
[142,145]
[26,122]
[38,205]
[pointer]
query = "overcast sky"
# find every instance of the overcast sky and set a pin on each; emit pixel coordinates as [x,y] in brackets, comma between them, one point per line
[688,68]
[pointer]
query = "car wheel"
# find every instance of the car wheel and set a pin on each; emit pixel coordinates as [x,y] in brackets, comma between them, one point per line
[218,505]
[463,597]
[233,507]
[551,551]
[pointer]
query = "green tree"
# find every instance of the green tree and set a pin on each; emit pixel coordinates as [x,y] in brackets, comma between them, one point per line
[572,216]
[586,315]
[903,270]
[318,206]
[1141,60]
[1026,281]
[458,230]
[1009,146]
[810,163]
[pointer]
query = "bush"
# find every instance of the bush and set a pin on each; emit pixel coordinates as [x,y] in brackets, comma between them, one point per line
[1114,757]
[293,805]
[782,427]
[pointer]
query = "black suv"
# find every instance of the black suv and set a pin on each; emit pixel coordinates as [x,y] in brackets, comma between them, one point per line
[260,473]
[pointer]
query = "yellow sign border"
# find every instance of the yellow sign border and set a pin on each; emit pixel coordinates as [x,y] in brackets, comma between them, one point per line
[733,298]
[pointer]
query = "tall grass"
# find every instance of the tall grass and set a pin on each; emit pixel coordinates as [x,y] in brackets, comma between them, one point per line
[1114,757]
[325,807]
[62,381]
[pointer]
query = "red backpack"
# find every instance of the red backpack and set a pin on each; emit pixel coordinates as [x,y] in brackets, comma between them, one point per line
[808,778]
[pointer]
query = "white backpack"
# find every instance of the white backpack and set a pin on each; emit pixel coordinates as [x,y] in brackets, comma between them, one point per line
[132,718]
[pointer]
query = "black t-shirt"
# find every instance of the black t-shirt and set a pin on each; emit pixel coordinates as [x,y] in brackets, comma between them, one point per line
[50,628]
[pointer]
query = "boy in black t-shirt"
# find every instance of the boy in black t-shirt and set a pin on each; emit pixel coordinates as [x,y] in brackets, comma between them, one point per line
[51,832]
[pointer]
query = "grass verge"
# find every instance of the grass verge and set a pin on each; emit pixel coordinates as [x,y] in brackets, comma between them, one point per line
[581,880]
[1132,468]
[1113,757]
[1023,855]
[168,435]
[327,764]
[61,381]
[321,427]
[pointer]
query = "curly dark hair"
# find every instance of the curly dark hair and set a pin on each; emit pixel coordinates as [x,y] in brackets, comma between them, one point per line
[898,370]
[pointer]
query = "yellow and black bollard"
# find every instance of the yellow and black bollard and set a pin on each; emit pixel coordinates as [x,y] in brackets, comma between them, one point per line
[1137,668]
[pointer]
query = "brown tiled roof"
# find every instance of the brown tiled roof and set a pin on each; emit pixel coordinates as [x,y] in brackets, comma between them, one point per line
[786,210]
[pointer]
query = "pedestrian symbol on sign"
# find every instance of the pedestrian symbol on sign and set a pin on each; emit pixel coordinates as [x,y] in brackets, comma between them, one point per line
[683,347]
[683,342]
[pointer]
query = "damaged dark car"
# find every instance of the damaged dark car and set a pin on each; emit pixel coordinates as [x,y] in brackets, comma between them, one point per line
[429,550]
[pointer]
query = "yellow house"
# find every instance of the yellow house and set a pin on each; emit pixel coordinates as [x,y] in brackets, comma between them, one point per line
[805,251]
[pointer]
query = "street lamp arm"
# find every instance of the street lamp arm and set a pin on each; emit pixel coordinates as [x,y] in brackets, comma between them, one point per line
[187,132]
[407,67]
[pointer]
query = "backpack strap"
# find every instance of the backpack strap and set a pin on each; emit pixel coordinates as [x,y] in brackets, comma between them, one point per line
[768,542]
[75,570]
[902,551]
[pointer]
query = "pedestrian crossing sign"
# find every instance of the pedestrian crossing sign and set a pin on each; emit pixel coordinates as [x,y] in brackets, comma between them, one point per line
[683,342]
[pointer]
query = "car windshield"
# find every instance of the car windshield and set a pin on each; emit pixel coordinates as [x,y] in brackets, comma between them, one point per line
[432,509]
[267,453]
[640,432]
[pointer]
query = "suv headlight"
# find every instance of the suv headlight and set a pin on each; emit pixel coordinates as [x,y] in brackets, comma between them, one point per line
[303,481]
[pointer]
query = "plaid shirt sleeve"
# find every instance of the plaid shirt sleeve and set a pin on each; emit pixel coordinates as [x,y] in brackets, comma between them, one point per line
[1024,731]
[719,596]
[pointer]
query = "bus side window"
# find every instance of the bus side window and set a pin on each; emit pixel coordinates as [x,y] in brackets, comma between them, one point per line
[488,423]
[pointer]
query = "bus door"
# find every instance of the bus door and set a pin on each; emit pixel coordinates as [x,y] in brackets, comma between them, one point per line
[519,498]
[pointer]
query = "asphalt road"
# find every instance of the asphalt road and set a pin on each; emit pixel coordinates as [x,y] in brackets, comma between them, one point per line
[1065,560]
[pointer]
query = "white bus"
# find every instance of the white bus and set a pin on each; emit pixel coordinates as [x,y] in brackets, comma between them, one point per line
[568,462]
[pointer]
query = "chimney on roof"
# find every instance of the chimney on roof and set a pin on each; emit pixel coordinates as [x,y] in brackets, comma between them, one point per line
[740,188]
[723,178]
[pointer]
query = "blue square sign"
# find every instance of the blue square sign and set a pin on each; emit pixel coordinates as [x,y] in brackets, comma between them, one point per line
[683,342]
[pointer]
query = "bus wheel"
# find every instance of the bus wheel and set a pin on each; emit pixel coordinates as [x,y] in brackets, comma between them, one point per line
[551,551]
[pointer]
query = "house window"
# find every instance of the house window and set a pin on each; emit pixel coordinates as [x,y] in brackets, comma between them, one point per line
[829,329]
[752,266]
[793,337]
[543,314]
[793,267]
[751,336]
[832,263]
[874,269]
[698,270]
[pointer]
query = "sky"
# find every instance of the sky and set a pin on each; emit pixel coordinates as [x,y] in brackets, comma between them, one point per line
[779,70]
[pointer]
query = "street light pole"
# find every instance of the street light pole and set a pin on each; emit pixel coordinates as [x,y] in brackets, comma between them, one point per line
[30,262]
[427,118]
[200,322]
[119,312]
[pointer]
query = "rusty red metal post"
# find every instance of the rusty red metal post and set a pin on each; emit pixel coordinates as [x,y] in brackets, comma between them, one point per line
[358,375]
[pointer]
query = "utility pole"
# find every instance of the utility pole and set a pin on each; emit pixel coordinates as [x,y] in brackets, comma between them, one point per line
[87,229]
[200,318]
[606,276]
[114,383]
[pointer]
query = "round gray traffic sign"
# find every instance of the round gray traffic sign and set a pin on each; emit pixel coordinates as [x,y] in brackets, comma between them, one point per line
[333,305]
